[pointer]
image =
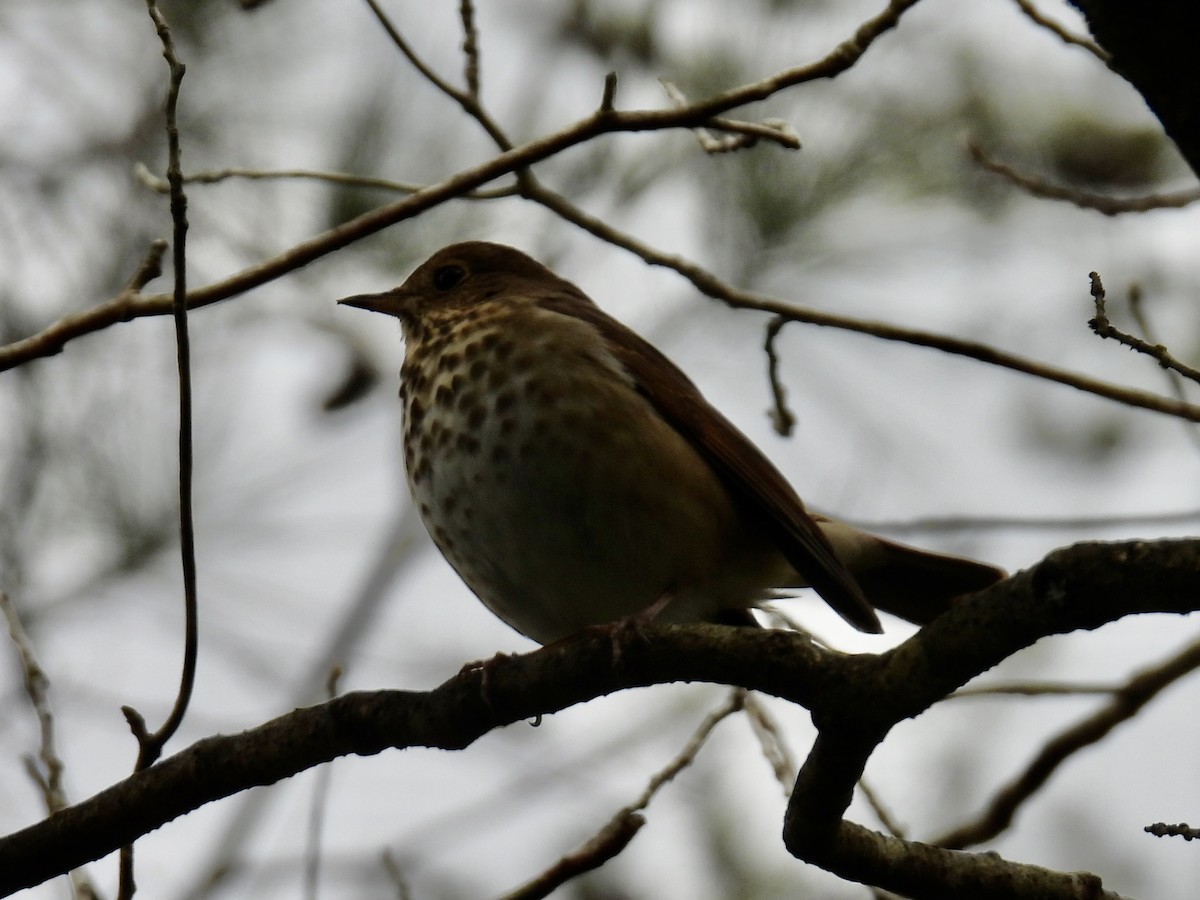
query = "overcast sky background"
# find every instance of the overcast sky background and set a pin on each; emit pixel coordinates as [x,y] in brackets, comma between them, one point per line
[881,215]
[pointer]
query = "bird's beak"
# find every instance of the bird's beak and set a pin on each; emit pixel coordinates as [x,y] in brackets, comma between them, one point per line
[386,303]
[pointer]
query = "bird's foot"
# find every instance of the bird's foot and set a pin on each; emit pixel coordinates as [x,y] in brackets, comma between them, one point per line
[629,628]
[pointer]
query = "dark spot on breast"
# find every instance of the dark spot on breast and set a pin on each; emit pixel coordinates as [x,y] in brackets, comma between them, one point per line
[504,401]
[475,417]
[465,400]
[416,381]
[442,538]
[495,377]
[448,361]
[467,443]
[443,396]
[477,369]
[419,474]
[415,411]
[547,395]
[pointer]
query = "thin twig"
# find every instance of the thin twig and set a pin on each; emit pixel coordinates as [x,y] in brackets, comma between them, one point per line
[516,160]
[771,740]
[1174,380]
[621,828]
[396,874]
[426,72]
[468,100]
[37,688]
[1126,703]
[1055,28]
[609,97]
[742,134]
[1101,325]
[886,819]
[320,803]
[1183,830]
[150,746]
[48,778]
[1036,689]
[856,698]
[782,418]
[52,339]
[1102,203]
[150,268]
[938,524]
[710,284]
[162,186]
[466,12]
[842,57]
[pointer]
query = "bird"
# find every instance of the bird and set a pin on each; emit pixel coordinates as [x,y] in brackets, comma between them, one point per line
[573,476]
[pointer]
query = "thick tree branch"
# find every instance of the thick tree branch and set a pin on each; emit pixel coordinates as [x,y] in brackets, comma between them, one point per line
[1080,587]
[855,700]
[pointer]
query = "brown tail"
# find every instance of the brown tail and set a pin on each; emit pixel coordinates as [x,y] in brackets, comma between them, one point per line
[916,585]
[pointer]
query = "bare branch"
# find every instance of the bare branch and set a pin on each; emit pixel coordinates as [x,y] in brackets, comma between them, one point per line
[855,699]
[770,739]
[782,418]
[886,819]
[1102,203]
[466,12]
[743,134]
[949,651]
[1183,830]
[1101,325]
[1035,689]
[150,268]
[37,688]
[123,308]
[619,831]
[937,524]
[736,298]
[154,183]
[606,844]
[1053,27]
[150,746]
[1125,704]
[320,803]
[610,93]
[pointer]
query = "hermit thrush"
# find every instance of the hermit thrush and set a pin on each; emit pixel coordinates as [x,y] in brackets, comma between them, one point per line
[573,476]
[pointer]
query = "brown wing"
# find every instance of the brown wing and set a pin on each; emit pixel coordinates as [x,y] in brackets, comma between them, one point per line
[749,475]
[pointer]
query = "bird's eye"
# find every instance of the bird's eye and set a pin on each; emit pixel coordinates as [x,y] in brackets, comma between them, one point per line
[448,277]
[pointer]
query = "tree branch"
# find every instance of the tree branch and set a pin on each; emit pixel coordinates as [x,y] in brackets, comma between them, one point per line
[1127,701]
[125,307]
[855,700]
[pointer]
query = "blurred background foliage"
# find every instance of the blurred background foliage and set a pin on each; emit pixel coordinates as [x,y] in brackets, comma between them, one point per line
[308,554]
